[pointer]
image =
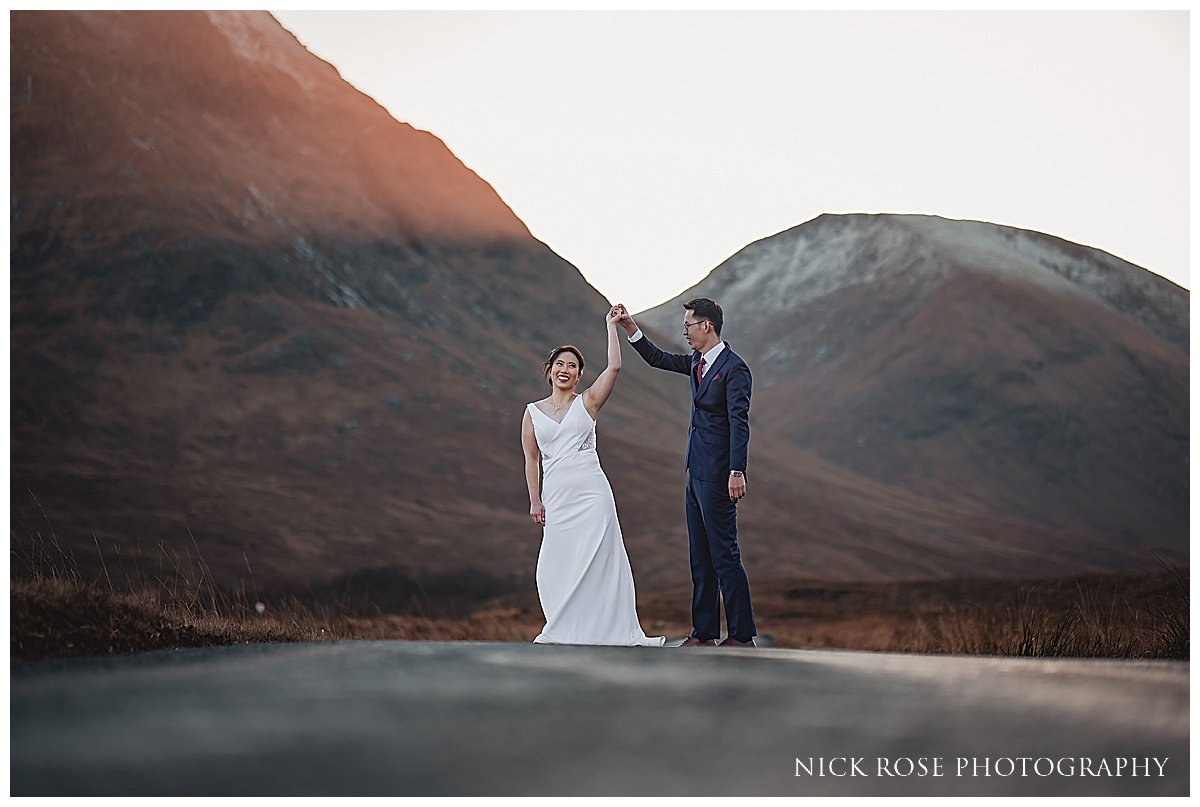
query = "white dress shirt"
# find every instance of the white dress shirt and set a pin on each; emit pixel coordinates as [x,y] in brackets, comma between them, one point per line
[710,357]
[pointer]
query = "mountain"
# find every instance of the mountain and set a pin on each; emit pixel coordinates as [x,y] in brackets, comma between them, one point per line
[258,320]
[251,309]
[971,364]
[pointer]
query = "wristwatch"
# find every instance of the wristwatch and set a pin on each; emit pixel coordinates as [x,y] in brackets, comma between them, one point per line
[736,473]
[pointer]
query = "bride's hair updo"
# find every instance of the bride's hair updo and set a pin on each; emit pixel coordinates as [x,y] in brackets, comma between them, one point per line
[549,362]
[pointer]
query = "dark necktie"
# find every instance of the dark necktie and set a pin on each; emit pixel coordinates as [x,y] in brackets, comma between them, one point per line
[700,371]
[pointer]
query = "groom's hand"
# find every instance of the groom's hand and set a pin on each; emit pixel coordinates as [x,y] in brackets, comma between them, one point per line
[737,488]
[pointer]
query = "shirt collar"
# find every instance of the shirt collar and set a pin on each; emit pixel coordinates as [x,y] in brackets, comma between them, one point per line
[712,353]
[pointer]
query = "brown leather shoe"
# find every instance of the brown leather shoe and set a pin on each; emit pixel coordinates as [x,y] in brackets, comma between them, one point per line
[732,642]
[692,641]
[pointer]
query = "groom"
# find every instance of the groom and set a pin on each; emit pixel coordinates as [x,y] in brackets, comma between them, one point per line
[718,440]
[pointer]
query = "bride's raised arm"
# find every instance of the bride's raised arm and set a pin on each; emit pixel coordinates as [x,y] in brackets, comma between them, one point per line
[598,393]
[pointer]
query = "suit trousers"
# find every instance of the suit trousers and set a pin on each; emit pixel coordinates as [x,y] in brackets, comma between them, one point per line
[717,569]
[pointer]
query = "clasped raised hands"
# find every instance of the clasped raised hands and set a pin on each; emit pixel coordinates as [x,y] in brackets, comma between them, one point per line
[620,315]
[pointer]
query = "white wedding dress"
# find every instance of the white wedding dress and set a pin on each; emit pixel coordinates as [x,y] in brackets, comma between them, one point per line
[583,575]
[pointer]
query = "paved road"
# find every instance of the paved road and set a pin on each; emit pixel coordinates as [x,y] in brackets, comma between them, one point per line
[463,718]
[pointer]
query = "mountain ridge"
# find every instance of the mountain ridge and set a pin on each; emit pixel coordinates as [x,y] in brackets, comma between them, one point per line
[1137,281]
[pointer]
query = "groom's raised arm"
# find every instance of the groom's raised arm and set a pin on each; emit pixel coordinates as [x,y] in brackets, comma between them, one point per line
[675,362]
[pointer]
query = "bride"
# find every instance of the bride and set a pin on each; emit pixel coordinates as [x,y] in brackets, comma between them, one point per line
[583,575]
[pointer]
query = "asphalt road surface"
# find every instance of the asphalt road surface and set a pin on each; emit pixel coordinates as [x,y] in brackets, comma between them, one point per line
[469,718]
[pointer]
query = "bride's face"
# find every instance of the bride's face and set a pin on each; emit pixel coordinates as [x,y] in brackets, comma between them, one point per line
[565,372]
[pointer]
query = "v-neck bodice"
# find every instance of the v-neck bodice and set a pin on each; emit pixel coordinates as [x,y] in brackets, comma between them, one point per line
[575,434]
[570,406]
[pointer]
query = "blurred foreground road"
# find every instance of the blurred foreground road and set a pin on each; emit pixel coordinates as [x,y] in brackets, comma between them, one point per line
[465,718]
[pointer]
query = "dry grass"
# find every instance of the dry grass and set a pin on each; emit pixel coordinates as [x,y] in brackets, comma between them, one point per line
[1142,615]
[56,612]
[53,618]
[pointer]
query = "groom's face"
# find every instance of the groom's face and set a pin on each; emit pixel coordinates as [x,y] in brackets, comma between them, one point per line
[693,329]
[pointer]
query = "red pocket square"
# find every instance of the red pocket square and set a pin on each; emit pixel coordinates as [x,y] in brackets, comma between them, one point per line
[717,377]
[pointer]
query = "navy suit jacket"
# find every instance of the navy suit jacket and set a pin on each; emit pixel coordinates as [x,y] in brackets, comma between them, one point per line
[719,434]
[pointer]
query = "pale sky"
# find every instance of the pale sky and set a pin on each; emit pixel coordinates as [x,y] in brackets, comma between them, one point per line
[647,147]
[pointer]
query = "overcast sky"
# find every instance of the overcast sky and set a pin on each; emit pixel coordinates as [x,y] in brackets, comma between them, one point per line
[646,148]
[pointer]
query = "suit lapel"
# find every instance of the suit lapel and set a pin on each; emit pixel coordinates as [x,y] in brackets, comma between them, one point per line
[710,372]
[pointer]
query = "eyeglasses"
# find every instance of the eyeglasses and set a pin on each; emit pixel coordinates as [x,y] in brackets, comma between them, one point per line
[687,324]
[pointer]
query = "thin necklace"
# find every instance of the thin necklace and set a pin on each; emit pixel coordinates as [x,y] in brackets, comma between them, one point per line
[559,406]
